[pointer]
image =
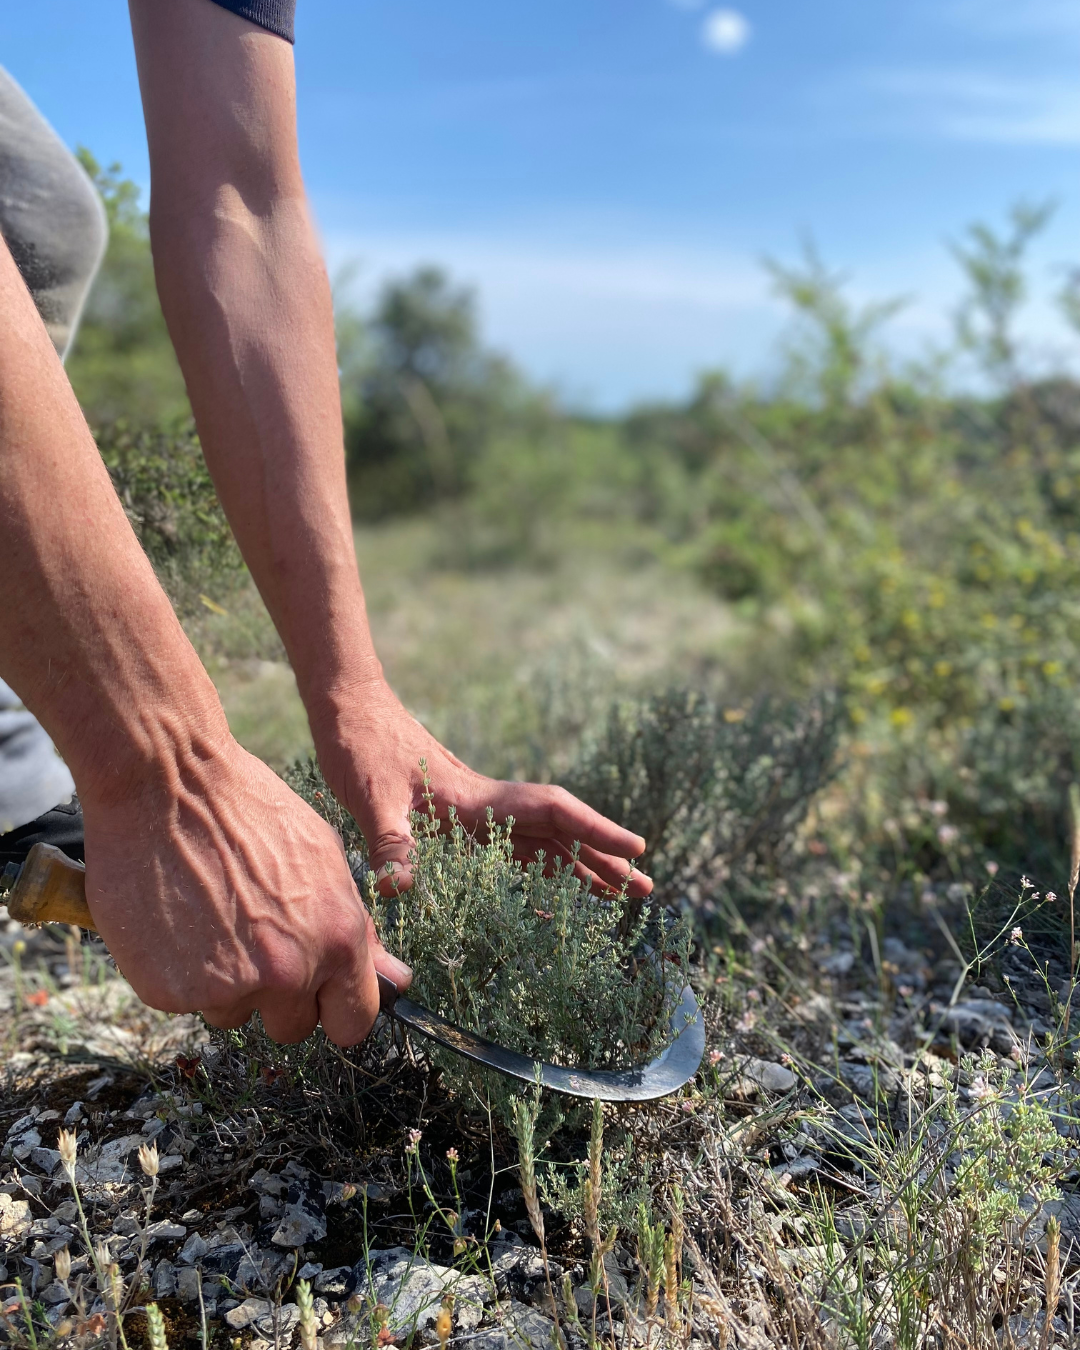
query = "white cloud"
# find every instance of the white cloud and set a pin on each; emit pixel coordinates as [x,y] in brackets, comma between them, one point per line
[1007,18]
[971,105]
[725,31]
[606,324]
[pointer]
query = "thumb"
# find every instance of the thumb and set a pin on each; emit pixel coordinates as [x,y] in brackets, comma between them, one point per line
[390,844]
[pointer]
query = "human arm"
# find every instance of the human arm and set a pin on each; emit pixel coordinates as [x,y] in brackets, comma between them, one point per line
[246,297]
[214,886]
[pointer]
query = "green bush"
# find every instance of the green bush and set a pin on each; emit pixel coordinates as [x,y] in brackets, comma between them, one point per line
[169,498]
[524,954]
[718,793]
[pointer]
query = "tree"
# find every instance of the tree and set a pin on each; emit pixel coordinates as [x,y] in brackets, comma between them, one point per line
[994,267]
[428,399]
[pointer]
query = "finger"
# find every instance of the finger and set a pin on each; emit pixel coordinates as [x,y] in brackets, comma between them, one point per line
[550,810]
[349,1000]
[226,1019]
[596,869]
[588,865]
[614,872]
[390,844]
[289,1022]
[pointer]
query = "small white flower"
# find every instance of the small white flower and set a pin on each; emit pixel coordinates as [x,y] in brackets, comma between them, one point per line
[1051,897]
[1017,935]
[980,1089]
[1025,885]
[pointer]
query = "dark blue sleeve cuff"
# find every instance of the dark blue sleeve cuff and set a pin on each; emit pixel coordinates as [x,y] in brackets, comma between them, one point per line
[275,15]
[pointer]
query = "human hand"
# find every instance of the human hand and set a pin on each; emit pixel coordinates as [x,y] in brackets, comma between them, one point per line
[218,890]
[370,750]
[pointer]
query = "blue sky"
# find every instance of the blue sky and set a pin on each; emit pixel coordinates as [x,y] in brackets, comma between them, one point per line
[608,173]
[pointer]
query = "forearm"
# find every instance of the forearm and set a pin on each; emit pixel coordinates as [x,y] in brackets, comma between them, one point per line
[248,304]
[247,301]
[87,637]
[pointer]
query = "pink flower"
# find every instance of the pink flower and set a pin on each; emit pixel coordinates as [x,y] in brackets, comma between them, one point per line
[992,868]
[1017,935]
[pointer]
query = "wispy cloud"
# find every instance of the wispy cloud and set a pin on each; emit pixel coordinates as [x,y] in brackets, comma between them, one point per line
[994,18]
[725,31]
[974,105]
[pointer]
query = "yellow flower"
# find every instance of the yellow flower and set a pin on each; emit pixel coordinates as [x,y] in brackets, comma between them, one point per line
[900,717]
[942,669]
[1052,668]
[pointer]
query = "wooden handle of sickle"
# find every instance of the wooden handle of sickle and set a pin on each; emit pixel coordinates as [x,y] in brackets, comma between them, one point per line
[51,889]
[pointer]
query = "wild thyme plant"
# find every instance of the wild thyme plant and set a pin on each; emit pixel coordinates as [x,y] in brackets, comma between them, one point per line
[528,955]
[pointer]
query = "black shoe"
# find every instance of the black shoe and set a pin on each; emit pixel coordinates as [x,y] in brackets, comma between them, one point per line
[62,826]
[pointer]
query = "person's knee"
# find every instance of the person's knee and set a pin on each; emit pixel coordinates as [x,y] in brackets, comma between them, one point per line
[51,216]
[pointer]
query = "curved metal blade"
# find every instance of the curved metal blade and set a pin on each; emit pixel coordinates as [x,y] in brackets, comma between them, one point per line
[668,1072]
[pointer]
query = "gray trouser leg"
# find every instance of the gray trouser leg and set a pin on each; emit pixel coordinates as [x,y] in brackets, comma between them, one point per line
[52,220]
[51,217]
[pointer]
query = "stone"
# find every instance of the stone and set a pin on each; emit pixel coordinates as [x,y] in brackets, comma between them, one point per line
[298,1227]
[279,1326]
[308,1270]
[22,1147]
[981,1021]
[223,1258]
[188,1284]
[47,1159]
[194,1249]
[269,1208]
[164,1279]
[112,1163]
[170,1162]
[764,1075]
[528,1327]
[870,1081]
[836,963]
[164,1231]
[73,1114]
[15,1217]
[54,1293]
[413,1289]
[618,1294]
[336,1284]
[242,1316]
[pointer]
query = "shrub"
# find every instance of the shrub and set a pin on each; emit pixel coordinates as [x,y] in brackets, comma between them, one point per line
[169,498]
[524,954]
[716,792]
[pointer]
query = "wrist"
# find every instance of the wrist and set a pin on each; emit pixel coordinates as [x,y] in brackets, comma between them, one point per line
[152,734]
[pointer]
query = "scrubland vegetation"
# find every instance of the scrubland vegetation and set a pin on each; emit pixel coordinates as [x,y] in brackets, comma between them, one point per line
[817,642]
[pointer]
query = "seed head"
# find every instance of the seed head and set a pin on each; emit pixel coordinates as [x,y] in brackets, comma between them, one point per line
[67,1145]
[155,1328]
[18,948]
[354,1303]
[62,1265]
[148,1159]
[347,1192]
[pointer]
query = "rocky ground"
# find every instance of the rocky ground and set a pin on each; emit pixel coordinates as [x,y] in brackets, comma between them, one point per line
[824,1105]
